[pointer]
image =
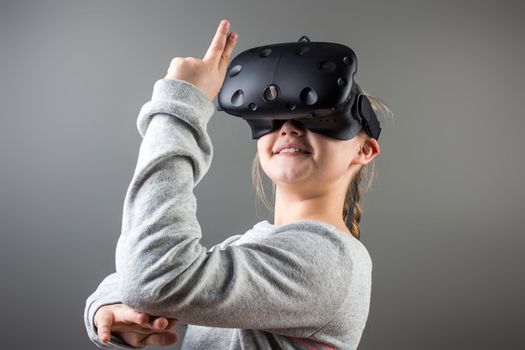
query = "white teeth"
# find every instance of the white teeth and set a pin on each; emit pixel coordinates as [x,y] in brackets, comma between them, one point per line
[290,150]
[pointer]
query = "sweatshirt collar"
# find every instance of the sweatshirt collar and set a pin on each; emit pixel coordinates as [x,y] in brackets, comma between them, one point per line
[265,225]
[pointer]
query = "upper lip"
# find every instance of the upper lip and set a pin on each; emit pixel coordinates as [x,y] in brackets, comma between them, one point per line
[291,145]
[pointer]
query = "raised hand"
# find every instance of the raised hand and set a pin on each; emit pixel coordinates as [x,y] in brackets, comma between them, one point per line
[208,73]
[138,329]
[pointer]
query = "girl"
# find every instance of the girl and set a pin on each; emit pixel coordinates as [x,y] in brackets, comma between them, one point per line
[302,282]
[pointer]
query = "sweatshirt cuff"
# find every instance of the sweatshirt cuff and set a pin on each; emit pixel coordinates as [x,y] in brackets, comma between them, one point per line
[179,98]
[169,89]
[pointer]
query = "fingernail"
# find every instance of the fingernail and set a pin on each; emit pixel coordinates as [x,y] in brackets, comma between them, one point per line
[161,324]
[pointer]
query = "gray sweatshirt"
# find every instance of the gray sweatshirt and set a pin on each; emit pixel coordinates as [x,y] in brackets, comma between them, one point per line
[303,285]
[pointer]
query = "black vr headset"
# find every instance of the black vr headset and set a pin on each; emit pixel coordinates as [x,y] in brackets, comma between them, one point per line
[310,82]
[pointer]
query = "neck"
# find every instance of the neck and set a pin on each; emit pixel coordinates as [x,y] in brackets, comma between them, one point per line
[327,206]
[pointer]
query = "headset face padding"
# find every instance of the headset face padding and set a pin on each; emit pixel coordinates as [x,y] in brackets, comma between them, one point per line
[311,82]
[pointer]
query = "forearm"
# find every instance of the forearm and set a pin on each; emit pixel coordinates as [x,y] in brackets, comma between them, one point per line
[160,232]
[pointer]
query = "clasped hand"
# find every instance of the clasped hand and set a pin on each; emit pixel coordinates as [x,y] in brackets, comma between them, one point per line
[138,329]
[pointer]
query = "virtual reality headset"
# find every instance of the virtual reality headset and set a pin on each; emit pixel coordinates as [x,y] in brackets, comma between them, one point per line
[308,82]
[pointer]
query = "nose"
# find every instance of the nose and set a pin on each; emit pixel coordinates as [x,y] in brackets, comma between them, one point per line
[292,127]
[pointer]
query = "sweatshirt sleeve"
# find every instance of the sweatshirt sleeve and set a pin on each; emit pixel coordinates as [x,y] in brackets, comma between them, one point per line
[291,280]
[107,293]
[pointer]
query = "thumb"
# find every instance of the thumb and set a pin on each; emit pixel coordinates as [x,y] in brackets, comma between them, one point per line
[127,315]
[161,339]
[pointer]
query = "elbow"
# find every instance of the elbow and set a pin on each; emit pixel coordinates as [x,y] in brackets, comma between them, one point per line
[138,294]
[151,282]
[137,297]
[136,285]
[149,295]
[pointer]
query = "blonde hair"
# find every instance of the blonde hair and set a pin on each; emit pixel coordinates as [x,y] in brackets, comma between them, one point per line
[361,182]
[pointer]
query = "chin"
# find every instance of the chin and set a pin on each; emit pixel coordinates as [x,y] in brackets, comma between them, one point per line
[289,177]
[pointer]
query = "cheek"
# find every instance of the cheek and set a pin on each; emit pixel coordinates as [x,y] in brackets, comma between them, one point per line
[263,145]
[333,162]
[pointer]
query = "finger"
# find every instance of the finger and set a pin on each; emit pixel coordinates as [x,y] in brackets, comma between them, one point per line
[226,54]
[134,328]
[162,339]
[160,323]
[172,322]
[214,53]
[104,327]
[134,339]
[127,315]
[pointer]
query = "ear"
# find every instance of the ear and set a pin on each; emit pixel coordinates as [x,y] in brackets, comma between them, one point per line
[368,150]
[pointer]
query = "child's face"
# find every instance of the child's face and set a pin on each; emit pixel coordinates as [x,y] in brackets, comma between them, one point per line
[326,162]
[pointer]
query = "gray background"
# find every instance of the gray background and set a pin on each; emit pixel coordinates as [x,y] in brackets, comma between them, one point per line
[443,222]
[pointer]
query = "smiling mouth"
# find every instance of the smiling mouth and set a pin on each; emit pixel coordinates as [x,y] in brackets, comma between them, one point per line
[292,152]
